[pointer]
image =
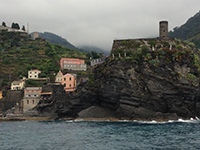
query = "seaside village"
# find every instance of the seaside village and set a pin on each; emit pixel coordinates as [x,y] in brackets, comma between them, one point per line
[70,81]
[77,73]
[32,95]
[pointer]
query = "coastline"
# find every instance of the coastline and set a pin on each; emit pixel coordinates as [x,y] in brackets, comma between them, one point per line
[108,119]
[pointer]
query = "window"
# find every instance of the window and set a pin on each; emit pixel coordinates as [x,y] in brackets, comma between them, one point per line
[27,101]
[70,79]
[64,85]
[69,85]
[65,61]
[33,101]
[29,95]
[64,79]
[30,72]
[35,76]
[67,65]
[74,61]
[35,72]
[71,61]
[30,76]
[74,65]
[71,65]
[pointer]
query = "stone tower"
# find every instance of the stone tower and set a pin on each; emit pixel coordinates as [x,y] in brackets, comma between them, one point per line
[163,29]
[35,35]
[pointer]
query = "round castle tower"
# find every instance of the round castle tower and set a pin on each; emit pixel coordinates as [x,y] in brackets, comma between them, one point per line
[164,29]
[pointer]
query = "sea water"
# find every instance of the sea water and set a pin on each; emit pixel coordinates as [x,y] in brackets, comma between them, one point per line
[97,135]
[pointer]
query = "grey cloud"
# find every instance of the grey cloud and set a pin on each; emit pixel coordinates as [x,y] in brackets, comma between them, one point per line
[97,23]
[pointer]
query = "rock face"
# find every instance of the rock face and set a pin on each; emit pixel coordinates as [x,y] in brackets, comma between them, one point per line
[132,91]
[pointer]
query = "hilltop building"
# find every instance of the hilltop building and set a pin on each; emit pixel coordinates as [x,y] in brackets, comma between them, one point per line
[73,64]
[9,29]
[127,45]
[35,35]
[163,34]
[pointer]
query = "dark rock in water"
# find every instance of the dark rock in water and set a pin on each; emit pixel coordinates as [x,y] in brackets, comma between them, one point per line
[126,89]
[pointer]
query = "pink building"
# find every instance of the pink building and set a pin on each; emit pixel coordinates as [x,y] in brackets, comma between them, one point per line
[69,82]
[72,64]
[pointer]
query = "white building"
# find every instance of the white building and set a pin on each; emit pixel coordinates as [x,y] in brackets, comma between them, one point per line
[17,85]
[59,77]
[34,74]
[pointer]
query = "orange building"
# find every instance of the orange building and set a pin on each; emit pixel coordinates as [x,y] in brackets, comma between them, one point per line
[1,94]
[72,64]
[69,82]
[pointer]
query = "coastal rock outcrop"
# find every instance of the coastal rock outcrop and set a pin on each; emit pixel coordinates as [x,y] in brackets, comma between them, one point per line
[133,90]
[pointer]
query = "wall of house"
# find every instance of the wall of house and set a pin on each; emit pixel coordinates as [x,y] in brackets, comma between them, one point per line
[33,74]
[74,64]
[69,83]
[29,103]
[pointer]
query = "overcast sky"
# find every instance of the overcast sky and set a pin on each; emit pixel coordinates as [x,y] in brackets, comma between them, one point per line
[97,22]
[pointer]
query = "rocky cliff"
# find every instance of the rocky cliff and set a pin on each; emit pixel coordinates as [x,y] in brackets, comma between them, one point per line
[148,85]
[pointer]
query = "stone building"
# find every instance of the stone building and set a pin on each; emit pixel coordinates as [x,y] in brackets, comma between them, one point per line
[163,34]
[35,35]
[31,97]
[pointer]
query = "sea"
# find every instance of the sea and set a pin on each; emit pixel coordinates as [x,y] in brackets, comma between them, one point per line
[100,135]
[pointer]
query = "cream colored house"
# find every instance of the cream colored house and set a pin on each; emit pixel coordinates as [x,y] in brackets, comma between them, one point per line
[17,85]
[31,97]
[59,77]
[34,74]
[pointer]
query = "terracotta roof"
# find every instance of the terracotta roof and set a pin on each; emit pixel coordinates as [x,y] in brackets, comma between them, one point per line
[47,93]
[35,70]
[69,74]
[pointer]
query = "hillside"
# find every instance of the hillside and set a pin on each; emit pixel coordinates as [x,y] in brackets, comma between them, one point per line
[189,31]
[55,39]
[18,54]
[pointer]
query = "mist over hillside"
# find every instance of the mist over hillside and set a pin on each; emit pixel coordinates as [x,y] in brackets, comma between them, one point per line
[56,39]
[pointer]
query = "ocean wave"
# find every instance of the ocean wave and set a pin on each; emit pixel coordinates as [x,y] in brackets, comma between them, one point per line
[191,120]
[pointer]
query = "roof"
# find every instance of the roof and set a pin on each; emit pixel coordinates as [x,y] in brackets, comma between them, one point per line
[32,93]
[33,88]
[69,74]
[46,93]
[34,70]
[59,74]
[16,82]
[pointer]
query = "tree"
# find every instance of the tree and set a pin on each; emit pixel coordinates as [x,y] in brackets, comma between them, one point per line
[15,25]
[23,28]
[4,24]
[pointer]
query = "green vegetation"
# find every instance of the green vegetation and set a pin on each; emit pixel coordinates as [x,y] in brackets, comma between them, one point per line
[190,31]
[91,79]
[19,54]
